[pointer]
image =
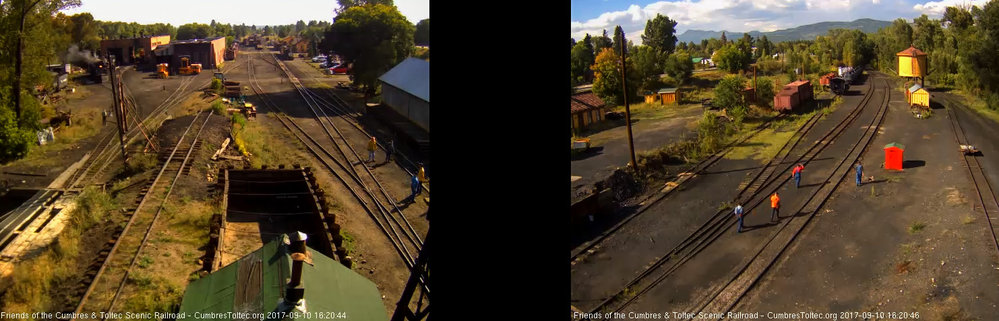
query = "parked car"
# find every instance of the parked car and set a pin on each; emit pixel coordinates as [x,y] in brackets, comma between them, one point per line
[339,69]
[319,58]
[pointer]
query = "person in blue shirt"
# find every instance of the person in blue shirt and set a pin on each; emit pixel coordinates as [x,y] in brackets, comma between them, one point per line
[860,173]
[415,185]
[738,215]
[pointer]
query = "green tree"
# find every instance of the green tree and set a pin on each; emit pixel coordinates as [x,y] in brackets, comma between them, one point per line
[728,95]
[660,34]
[765,92]
[601,42]
[422,35]
[580,61]
[647,68]
[371,38]
[618,40]
[679,66]
[731,59]
[607,78]
[194,31]
[24,15]
[85,31]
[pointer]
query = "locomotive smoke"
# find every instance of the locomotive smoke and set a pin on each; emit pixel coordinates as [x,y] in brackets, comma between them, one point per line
[77,57]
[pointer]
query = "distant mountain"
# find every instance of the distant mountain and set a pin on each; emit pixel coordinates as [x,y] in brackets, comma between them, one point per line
[806,32]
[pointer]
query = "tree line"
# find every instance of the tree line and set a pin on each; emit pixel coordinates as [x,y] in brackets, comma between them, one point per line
[960,48]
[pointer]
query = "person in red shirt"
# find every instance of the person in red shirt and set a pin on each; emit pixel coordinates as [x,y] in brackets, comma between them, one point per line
[796,174]
[775,205]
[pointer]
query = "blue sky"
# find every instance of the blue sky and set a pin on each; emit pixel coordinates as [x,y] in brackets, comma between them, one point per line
[258,12]
[592,16]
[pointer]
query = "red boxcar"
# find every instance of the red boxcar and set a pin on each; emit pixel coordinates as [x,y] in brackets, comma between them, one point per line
[786,100]
[804,89]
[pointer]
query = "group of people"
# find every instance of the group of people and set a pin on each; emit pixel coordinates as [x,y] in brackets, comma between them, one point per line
[775,199]
[418,179]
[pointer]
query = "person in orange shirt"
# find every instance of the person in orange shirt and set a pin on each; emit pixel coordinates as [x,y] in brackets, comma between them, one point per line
[775,205]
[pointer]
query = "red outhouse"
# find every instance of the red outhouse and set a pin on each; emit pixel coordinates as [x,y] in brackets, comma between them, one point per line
[893,156]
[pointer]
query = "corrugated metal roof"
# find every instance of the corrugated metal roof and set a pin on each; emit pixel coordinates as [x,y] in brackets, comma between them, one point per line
[900,146]
[914,88]
[911,52]
[667,90]
[412,76]
[585,101]
[696,60]
[257,281]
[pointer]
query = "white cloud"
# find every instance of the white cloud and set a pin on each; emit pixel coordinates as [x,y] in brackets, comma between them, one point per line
[936,8]
[733,15]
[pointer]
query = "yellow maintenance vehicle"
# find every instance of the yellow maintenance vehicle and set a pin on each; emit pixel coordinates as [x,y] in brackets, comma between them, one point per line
[187,68]
[161,71]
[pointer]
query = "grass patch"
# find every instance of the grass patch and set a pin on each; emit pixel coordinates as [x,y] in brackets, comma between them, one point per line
[138,163]
[977,104]
[145,261]
[268,147]
[915,227]
[968,219]
[34,279]
[768,142]
[654,111]
[65,137]
[348,241]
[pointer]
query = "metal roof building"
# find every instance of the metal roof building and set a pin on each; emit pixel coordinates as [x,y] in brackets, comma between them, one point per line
[406,89]
[259,283]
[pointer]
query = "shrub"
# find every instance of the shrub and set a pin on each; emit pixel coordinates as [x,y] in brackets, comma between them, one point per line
[219,109]
[238,119]
[217,85]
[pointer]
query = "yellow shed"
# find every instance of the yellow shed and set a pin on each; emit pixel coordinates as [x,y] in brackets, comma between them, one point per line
[918,96]
[650,97]
[911,63]
[669,95]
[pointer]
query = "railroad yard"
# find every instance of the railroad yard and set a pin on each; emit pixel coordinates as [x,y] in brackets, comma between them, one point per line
[834,174]
[212,177]
[836,246]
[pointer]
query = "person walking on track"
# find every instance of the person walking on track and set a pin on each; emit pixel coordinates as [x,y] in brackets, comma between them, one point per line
[389,150]
[738,215]
[796,174]
[422,175]
[372,146]
[860,173]
[414,185]
[775,205]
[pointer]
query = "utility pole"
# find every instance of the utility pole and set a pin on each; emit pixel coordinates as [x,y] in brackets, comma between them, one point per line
[119,111]
[627,109]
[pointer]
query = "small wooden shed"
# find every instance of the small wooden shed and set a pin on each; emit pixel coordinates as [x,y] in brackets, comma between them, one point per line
[893,156]
[669,95]
[650,97]
[918,96]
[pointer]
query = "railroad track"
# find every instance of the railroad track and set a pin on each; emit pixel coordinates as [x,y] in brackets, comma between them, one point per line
[340,108]
[582,250]
[753,270]
[750,195]
[106,148]
[983,188]
[391,221]
[117,258]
